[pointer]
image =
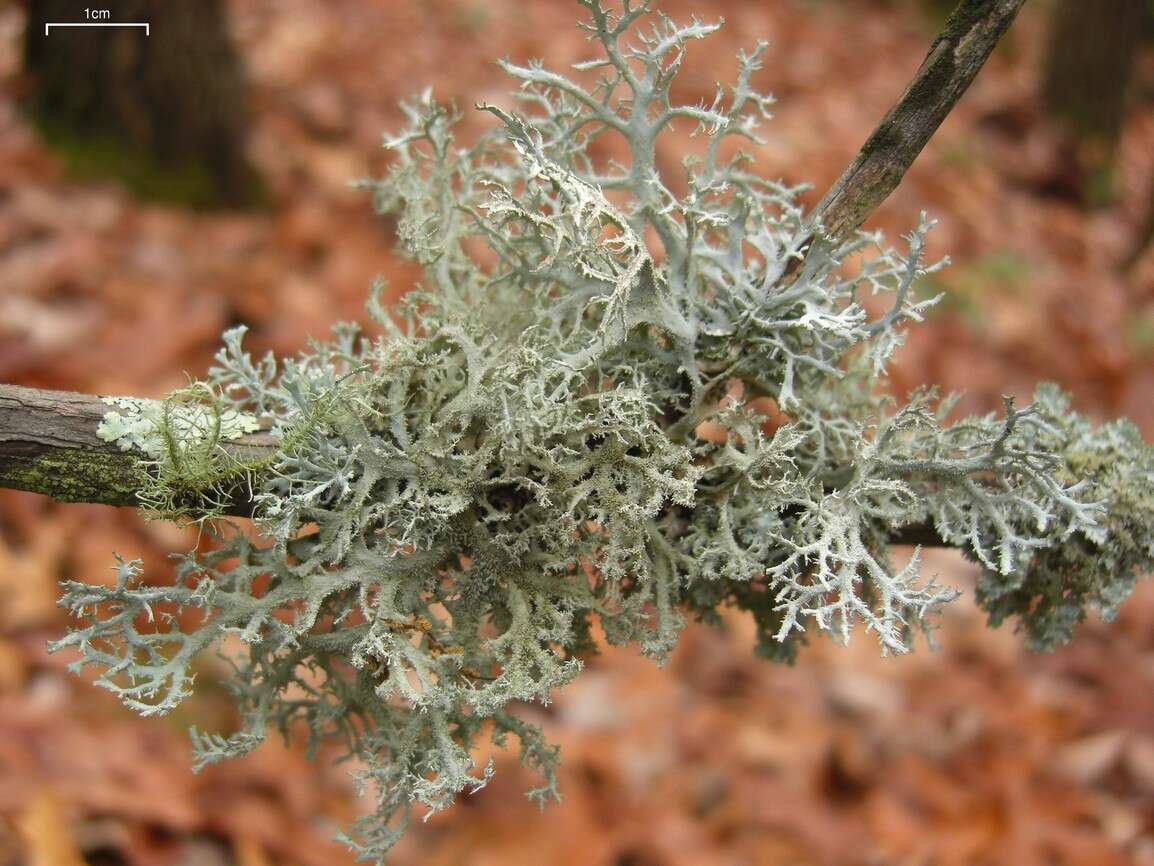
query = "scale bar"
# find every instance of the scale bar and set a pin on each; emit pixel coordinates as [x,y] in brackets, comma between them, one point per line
[97,24]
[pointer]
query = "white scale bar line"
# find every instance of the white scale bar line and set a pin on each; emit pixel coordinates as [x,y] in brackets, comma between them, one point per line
[96,24]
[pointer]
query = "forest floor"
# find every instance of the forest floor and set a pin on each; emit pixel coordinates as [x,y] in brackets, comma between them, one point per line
[976,753]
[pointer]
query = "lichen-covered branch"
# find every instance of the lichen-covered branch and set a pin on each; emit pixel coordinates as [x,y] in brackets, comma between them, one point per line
[50,443]
[453,506]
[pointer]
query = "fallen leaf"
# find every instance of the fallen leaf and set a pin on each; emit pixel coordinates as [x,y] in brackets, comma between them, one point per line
[47,834]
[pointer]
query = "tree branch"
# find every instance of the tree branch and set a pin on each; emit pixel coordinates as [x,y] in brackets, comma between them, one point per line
[48,444]
[953,60]
[48,441]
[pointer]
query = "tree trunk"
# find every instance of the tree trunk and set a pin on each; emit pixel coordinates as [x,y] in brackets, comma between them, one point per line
[163,112]
[1087,76]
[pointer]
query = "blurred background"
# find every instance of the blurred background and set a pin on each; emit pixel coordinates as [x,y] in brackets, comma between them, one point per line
[156,190]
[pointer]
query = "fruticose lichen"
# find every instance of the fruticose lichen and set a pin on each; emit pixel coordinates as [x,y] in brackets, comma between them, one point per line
[461,505]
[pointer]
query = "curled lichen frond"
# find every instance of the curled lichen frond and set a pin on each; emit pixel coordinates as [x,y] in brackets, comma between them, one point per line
[186,464]
[184,422]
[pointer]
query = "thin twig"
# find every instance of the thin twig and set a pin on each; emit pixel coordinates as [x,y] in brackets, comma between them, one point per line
[953,61]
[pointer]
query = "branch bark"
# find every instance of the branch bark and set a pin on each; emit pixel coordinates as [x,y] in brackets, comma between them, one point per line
[48,441]
[953,61]
[48,444]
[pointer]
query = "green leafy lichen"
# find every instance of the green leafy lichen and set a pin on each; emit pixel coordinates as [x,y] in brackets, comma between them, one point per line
[455,506]
[152,426]
[186,466]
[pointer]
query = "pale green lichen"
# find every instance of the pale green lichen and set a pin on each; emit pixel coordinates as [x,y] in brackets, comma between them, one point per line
[185,467]
[454,506]
[142,425]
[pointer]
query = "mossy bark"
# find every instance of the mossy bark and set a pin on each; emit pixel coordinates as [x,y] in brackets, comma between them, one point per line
[165,112]
[74,475]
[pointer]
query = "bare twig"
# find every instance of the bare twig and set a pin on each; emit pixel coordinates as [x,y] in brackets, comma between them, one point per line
[953,60]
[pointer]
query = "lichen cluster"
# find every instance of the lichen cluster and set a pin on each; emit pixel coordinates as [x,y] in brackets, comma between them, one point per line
[461,506]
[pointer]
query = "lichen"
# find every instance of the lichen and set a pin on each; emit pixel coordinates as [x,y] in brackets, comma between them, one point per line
[183,466]
[142,425]
[455,504]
